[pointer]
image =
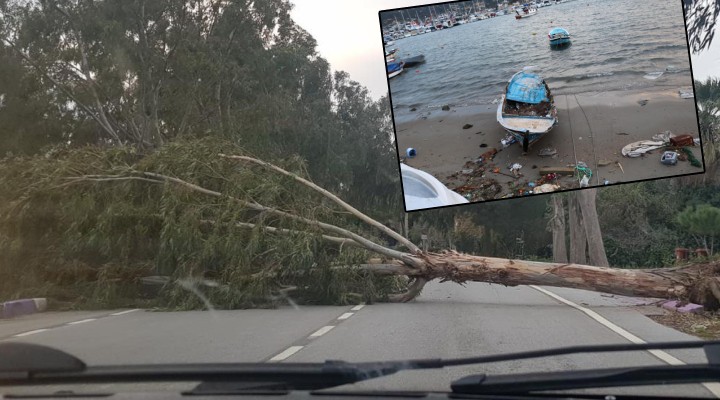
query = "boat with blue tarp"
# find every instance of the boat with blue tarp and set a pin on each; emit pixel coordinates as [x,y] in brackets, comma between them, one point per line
[394,69]
[559,37]
[527,109]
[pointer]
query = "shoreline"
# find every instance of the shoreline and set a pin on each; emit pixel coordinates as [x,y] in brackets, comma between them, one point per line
[592,128]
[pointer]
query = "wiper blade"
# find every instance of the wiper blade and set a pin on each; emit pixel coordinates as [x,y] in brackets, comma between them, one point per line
[286,376]
[596,378]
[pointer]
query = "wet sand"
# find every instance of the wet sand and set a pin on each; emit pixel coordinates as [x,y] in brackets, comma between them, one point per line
[592,128]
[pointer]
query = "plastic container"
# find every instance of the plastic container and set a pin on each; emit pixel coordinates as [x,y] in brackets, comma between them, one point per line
[410,152]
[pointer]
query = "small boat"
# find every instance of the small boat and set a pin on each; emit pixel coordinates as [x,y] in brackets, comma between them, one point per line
[390,43]
[413,61]
[422,190]
[559,37]
[394,69]
[526,12]
[527,110]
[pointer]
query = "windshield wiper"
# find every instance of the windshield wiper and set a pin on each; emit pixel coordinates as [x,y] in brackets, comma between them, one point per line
[27,364]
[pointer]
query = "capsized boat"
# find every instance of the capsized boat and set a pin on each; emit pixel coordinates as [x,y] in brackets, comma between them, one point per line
[559,37]
[394,69]
[422,190]
[527,109]
[413,61]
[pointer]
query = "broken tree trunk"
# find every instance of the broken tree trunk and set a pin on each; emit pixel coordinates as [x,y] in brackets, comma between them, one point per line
[696,283]
[578,240]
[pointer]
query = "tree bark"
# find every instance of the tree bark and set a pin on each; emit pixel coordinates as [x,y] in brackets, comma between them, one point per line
[596,248]
[558,229]
[578,240]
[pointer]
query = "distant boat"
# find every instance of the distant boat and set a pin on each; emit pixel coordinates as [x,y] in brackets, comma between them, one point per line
[413,61]
[390,43]
[526,12]
[394,69]
[559,37]
[527,110]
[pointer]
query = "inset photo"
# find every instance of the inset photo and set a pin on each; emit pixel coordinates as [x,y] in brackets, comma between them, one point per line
[494,101]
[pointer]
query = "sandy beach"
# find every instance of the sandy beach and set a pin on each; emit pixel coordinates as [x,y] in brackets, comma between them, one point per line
[592,128]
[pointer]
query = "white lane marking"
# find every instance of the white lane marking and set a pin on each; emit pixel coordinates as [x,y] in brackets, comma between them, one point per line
[357,307]
[713,387]
[82,321]
[346,315]
[322,331]
[287,353]
[30,332]
[125,312]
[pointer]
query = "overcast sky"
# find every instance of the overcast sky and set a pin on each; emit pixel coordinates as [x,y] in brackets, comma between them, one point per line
[348,36]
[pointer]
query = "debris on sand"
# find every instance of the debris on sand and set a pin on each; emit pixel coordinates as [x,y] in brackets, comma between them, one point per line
[643,102]
[446,107]
[483,145]
[622,133]
[547,152]
[413,109]
[467,126]
[604,163]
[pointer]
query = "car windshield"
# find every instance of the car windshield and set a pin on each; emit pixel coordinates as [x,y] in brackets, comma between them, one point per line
[201,181]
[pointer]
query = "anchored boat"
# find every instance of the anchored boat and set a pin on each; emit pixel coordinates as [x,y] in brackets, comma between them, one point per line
[527,110]
[559,37]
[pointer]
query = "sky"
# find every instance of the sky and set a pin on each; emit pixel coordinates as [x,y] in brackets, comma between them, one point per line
[348,36]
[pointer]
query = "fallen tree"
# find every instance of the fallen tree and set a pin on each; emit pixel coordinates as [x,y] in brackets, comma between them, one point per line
[696,283]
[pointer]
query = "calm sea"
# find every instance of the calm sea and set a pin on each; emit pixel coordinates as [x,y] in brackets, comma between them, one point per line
[616,45]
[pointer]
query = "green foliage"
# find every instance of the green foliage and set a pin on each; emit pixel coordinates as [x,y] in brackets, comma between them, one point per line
[95,240]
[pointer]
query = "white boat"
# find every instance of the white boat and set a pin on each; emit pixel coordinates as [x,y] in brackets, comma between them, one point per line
[525,12]
[394,74]
[422,190]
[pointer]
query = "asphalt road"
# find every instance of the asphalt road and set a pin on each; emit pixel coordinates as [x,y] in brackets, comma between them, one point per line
[446,321]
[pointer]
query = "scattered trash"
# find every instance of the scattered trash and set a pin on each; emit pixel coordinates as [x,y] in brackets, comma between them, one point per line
[410,152]
[686,93]
[693,160]
[663,136]
[478,132]
[547,152]
[515,169]
[682,140]
[606,182]
[531,184]
[508,140]
[654,75]
[483,144]
[546,188]
[583,172]
[643,102]
[467,126]
[488,155]
[696,141]
[413,109]
[467,171]
[622,133]
[584,181]
[603,163]
[669,158]
[620,165]
[637,149]
[446,107]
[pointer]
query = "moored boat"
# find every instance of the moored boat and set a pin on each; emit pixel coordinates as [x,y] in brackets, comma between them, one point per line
[559,37]
[394,69]
[525,12]
[527,110]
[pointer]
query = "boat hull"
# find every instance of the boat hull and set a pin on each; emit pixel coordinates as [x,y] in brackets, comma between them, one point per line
[526,129]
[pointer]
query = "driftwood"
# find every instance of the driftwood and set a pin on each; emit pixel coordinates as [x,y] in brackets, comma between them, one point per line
[695,283]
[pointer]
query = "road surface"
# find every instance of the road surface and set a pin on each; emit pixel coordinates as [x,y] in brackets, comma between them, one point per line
[446,321]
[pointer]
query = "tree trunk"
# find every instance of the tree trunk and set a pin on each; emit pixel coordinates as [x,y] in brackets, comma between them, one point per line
[696,283]
[596,248]
[578,240]
[558,229]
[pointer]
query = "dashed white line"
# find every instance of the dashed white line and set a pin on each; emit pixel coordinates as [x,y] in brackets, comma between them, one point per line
[125,312]
[346,315]
[322,331]
[713,387]
[287,353]
[357,307]
[82,321]
[30,332]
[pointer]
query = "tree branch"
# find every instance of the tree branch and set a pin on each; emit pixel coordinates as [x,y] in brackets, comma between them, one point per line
[410,246]
[334,239]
